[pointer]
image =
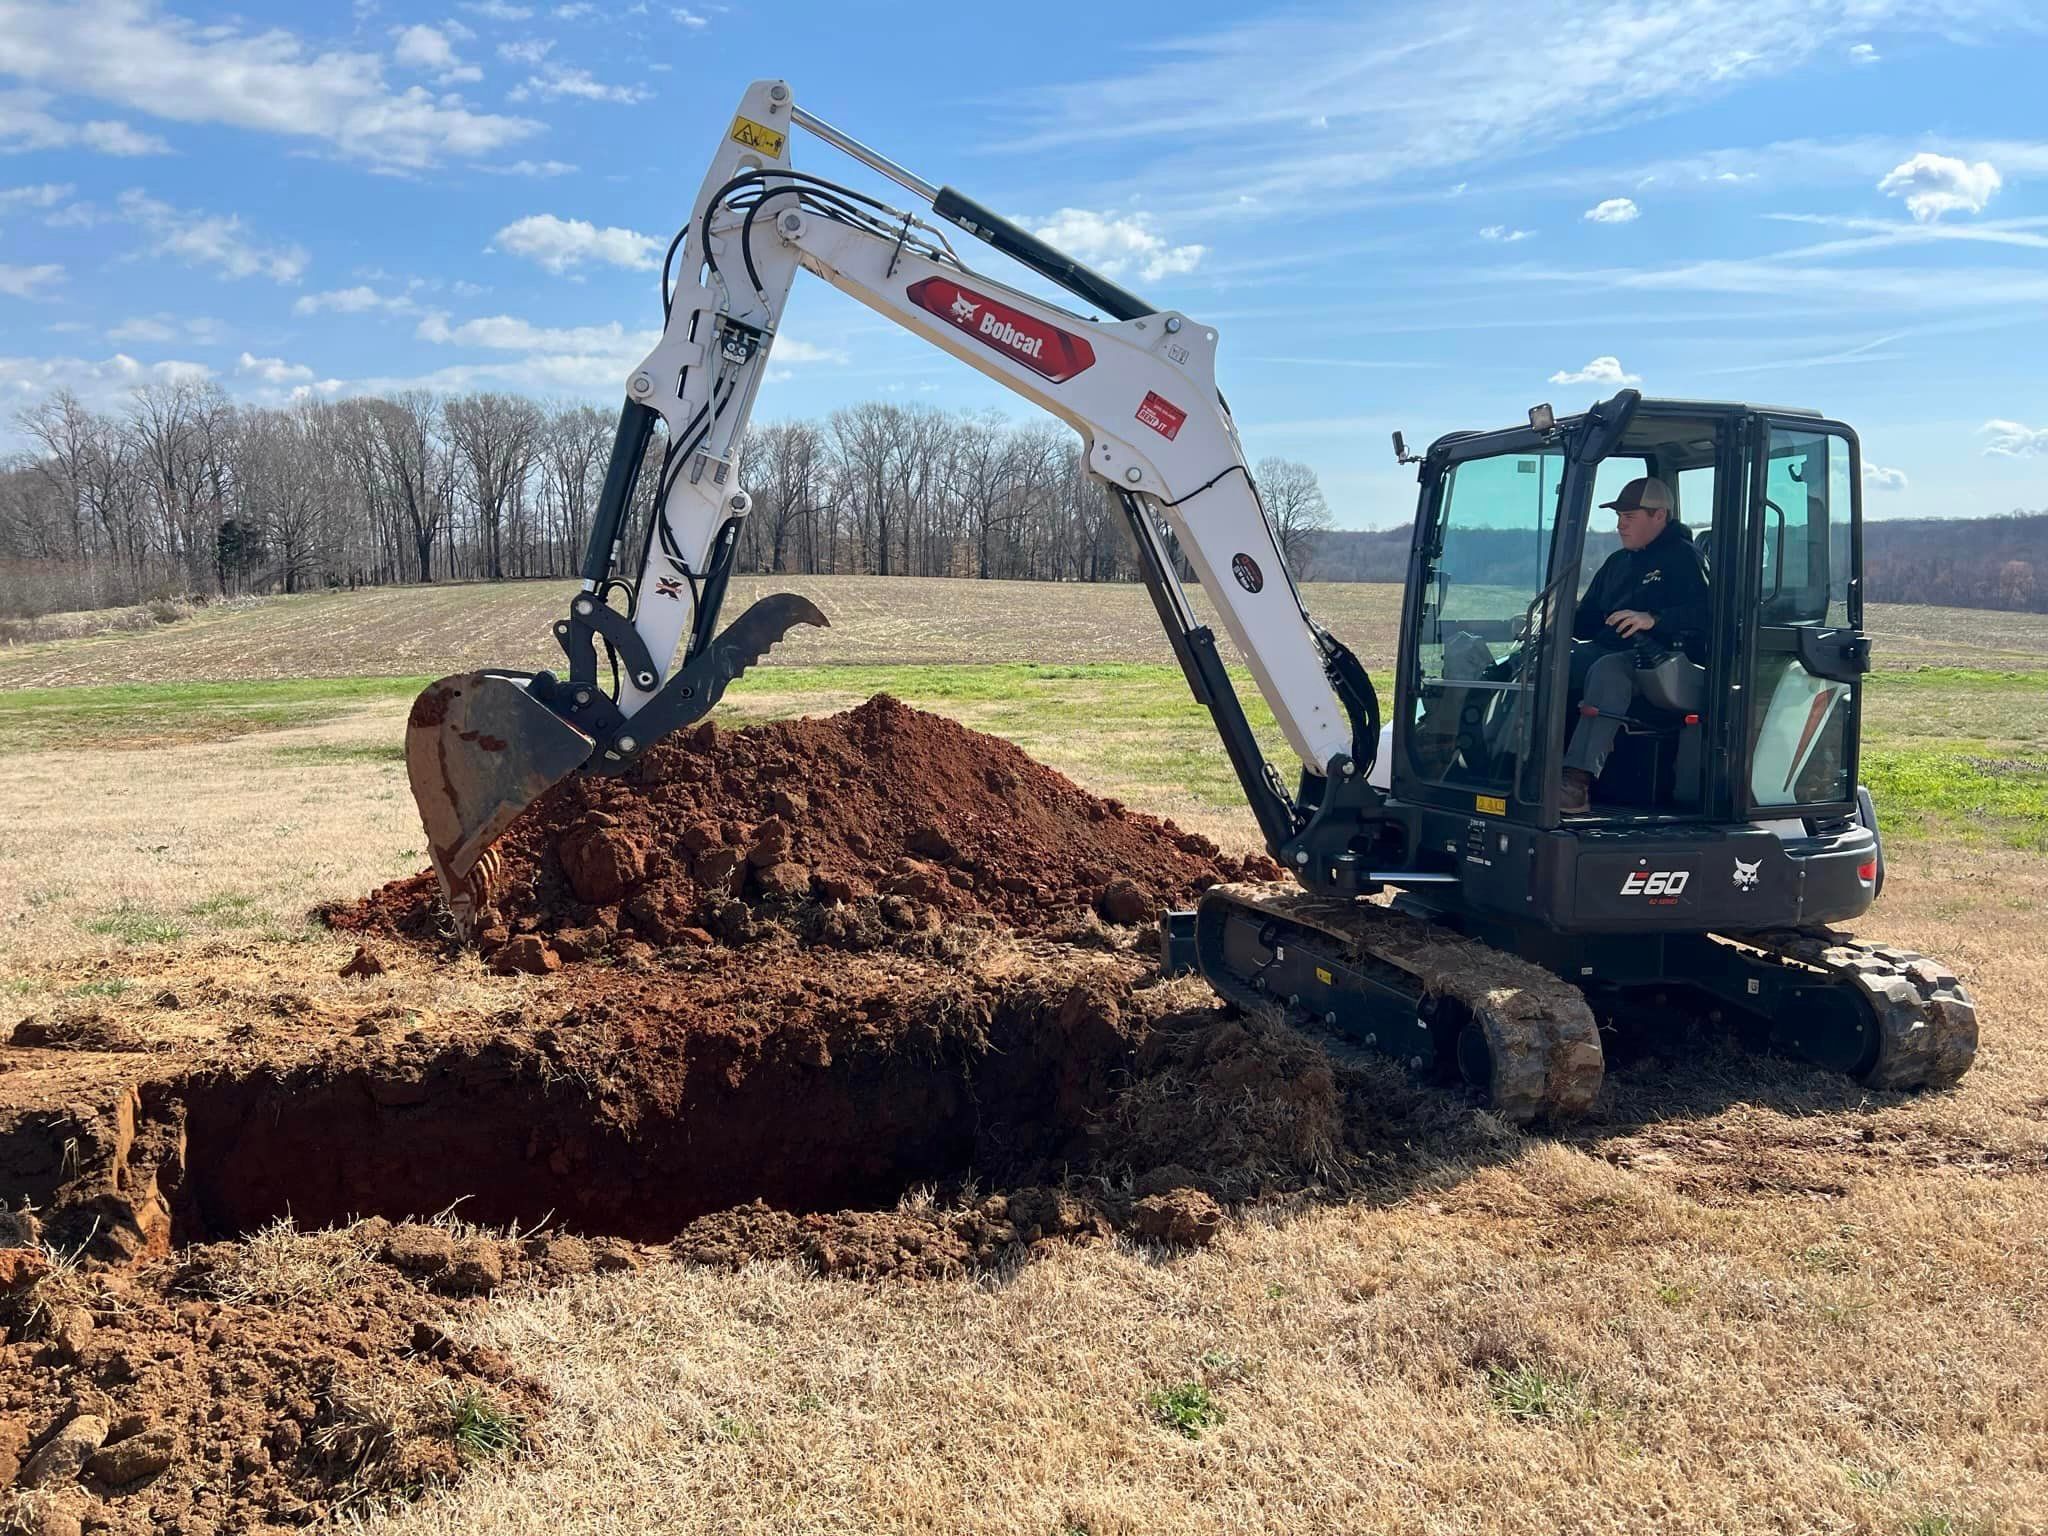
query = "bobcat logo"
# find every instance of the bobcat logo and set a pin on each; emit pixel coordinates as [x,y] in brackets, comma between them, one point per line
[963,311]
[1747,875]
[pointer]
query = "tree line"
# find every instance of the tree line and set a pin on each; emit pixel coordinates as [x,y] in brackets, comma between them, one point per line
[183,491]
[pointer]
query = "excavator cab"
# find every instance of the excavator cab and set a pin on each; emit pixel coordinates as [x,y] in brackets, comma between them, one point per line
[1751,718]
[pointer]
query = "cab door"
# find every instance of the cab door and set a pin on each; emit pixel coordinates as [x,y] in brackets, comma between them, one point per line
[1806,651]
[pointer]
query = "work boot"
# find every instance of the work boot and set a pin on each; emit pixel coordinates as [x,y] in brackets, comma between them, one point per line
[1577,798]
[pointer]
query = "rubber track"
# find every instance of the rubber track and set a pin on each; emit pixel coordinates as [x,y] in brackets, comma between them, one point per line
[1545,1044]
[1927,1023]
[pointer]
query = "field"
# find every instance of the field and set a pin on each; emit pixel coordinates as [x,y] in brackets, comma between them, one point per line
[1741,1296]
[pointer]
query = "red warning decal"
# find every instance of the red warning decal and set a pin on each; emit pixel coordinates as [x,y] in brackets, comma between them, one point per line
[1045,349]
[1161,415]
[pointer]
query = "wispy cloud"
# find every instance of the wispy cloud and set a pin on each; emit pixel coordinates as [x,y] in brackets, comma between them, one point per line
[359,300]
[25,125]
[2013,440]
[135,54]
[558,80]
[1200,114]
[1504,235]
[201,239]
[29,282]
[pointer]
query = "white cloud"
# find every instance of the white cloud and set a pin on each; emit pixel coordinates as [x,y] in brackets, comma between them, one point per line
[101,385]
[26,282]
[575,12]
[274,370]
[429,49]
[508,333]
[558,80]
[211,240]
[1863,53]
[687,17]
[497,10]
[1114,243]
[1614,210]
[1601,370]
[560,244]
[1878,478]
[46,194]
[1505,235]
[530,168]
[24,125]
[144,328]
[359,300]
[113,137]
[530,52]
[1936,184]
[2013,440]
[133,53]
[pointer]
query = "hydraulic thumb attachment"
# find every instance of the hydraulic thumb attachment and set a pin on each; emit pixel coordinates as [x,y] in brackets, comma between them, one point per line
[480,747]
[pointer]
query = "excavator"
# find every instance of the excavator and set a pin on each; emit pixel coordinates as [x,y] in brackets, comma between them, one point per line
[1446,908]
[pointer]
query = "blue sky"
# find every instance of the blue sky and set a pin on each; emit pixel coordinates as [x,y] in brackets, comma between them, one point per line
[1425,218]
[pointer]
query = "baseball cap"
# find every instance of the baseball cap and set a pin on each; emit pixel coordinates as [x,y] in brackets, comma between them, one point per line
[1646,494]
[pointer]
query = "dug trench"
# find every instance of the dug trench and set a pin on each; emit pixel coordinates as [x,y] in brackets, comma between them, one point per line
[870,993]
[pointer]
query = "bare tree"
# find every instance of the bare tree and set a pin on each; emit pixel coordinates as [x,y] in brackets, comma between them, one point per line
[416,467]
[1295,507]
[495,439]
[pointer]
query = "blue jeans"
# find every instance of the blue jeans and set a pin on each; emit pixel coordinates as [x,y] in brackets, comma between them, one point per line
[1606,680]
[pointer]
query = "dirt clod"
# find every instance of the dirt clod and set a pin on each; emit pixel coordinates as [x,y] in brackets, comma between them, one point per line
[141,1455]
[420,1250]
[64,1454]
[1124,901]
[362,965]
[529,953]
[1183,1218]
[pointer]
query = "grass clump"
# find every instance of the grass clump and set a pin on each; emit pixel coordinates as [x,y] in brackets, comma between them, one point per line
[135,925]
[1187,1406]
[1532,1390]
[482,1428]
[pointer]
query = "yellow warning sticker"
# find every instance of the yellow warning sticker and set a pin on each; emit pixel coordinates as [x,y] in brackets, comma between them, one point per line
[1324,976]
[1491,805]
[756,136]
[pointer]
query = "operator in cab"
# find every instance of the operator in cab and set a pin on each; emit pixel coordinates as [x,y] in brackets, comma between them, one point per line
[1655,584]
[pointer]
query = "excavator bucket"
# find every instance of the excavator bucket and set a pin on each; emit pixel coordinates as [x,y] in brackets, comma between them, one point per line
[479,749]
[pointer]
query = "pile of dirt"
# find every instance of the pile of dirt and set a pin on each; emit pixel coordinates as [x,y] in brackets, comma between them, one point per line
[252,1385]
[881,821]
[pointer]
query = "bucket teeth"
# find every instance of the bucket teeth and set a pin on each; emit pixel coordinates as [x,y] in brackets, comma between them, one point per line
[472,895]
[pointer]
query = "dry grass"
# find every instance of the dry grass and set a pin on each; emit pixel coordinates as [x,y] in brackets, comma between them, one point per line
[1749,1299]
[878,621]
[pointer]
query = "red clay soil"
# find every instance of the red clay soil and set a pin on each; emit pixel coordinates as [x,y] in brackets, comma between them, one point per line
[903,820]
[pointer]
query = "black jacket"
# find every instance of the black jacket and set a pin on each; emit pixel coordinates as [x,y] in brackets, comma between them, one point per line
[1665,577]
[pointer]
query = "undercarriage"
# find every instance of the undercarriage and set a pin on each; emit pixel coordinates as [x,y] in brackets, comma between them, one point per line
[1404,982]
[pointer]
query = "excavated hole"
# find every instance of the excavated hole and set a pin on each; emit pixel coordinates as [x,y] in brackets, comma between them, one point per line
[506,1135]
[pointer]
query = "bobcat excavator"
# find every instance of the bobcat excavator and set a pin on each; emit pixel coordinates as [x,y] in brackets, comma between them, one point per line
[1728,829]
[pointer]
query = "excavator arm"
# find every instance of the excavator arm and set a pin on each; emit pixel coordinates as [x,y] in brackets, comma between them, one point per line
[1138,384]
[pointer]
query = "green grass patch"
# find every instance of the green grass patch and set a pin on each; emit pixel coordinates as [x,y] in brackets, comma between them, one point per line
[1536,1391]
[134,925]
[1957,795]
[225,909]
[482,1430]
[111,986]
[339,752]
[1187,1406]
[134,715]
